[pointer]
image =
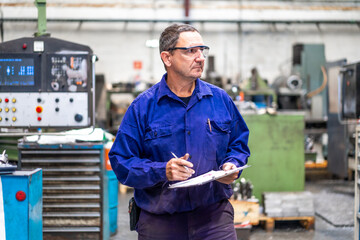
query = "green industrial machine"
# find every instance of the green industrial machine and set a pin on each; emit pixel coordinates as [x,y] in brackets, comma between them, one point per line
[276,143]
[307,62]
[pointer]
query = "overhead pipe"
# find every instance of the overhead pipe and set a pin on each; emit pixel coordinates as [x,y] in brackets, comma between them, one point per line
[239,21]
[187,10]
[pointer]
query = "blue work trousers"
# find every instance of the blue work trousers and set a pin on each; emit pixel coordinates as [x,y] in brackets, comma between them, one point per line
[214,222]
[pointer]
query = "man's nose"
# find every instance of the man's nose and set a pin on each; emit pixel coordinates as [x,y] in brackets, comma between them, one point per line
[200,56]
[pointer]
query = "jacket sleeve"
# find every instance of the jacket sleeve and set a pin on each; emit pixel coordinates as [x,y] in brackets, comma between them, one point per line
[238,151]
[127,161]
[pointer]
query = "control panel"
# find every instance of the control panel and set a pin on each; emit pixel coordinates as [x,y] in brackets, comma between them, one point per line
[351,91]
[46,82]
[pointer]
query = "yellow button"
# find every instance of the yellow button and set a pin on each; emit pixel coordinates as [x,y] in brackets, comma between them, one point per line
[14,100]
[0,109]
[0,119]
[6,109]
[14,109]
[0,100]
[14,119]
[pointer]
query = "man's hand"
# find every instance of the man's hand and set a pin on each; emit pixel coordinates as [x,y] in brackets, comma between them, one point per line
[179,169]
[230,178]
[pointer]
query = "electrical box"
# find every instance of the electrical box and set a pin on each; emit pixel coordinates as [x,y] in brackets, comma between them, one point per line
[21,205]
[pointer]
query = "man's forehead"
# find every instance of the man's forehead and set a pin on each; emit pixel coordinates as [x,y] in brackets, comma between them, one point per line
[190,39]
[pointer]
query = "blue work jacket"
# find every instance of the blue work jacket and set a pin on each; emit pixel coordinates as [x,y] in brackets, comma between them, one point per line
[210,128]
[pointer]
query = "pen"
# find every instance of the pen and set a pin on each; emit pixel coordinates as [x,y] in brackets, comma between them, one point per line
[178,158]
[209,124]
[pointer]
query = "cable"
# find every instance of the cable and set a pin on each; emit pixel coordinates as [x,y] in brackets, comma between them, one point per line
[322,87]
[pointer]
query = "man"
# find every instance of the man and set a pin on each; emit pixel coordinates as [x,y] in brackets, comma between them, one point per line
[255,82]
[194,120]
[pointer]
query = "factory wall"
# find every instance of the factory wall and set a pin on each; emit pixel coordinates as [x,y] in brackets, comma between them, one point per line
[237,42]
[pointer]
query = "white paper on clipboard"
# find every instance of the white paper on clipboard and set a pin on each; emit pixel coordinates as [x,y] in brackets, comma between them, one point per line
[206,177]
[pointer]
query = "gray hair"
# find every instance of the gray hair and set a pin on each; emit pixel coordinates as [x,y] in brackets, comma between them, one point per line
[170,36]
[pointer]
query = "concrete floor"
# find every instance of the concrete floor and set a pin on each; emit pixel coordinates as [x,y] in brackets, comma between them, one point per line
[334,209]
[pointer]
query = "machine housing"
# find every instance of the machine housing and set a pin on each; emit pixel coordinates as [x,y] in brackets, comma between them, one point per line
[46,82]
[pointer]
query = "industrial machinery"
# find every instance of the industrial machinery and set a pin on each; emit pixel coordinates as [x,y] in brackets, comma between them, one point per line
[79,189]
[47,85]
[305,88]
[46,82]
[350,75]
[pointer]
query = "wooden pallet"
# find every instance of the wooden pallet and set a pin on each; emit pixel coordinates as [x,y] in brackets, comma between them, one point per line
[245,211]
[123,189]
[269,222]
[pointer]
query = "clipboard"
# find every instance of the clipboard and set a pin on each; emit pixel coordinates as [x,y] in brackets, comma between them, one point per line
[206,177]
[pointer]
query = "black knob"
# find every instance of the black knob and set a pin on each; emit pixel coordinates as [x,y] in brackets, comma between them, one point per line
[57,109]
[57,100]
[39,100]
[78,117]
[71,99]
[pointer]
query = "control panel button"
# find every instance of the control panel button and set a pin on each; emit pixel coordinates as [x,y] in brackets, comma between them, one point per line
[14,119]
[57,109]
[39,119]
[0,100]
[6,109]
[13,109]
[6,100]
[78,117]
[0,119]
[57,100]
[0,109]
[39,100]
[13,100]
[39,109]
[71,100]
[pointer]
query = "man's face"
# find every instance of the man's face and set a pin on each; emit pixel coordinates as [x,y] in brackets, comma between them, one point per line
[187,65]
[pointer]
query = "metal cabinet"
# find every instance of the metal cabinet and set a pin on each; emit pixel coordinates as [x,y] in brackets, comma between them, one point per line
[21,205]
[76,185]
[357,184]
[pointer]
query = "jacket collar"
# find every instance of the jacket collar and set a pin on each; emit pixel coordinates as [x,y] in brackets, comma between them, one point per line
[201,89]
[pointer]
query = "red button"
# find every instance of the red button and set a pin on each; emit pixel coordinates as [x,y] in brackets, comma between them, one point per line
[24,46]
[39,109]
[39,119]
[20,196]
[6,100]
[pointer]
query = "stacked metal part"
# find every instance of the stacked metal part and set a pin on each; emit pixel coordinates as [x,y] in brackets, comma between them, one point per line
[288,204]
[242,189]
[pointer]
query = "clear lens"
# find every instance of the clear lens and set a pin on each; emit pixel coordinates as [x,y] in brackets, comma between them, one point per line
[205,52]
[193,51]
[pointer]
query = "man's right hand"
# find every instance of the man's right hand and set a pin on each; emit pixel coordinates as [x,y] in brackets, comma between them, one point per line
[179,169]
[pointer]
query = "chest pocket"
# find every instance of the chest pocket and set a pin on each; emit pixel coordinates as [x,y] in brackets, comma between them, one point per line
[157,141]
[218,137]
[216,127]
[158,132]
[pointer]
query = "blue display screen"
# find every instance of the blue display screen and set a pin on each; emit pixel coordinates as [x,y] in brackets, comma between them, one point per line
[17,72]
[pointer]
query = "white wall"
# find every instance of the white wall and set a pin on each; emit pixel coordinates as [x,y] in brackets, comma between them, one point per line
[236,49]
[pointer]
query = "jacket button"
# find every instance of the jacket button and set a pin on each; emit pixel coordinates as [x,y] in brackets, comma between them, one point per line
[188,132]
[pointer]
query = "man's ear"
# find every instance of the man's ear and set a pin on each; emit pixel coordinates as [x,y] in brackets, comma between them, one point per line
[166,58]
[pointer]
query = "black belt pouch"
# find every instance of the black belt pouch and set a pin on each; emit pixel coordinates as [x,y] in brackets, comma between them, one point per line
[134,212]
